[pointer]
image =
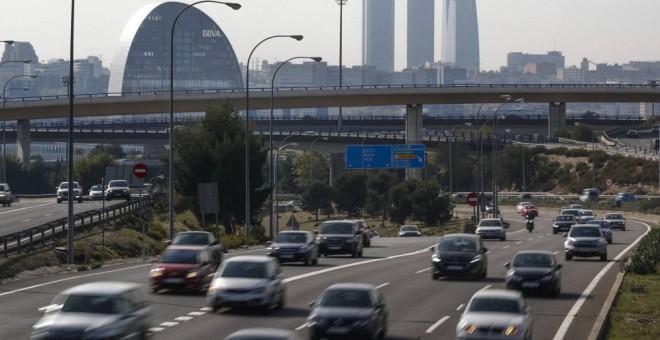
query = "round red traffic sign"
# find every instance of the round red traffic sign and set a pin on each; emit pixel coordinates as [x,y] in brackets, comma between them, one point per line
[472,199]
[140,170]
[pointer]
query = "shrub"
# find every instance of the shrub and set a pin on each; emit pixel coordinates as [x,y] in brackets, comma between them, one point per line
[646,255]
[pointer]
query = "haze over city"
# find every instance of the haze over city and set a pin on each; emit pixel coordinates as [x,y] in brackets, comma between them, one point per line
[605,31]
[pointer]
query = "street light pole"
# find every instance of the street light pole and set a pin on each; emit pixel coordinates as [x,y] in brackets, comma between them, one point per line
[4,122]
[170,179]
[248,218]
[341,4]
[270,143]
[276,204]
[451,194]
[311,167]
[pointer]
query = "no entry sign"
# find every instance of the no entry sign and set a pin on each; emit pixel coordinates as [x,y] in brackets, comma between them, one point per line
[140,170]
[472,199]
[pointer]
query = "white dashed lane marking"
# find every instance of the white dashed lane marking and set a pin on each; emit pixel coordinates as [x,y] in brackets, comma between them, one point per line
[437,324]
[183,318]
[421,271]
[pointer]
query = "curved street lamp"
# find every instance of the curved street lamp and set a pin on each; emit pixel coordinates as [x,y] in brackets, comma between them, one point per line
[341,4]
[248,214]
[170,179]
[270,143]
[4,122]
[8,42]
[276,203]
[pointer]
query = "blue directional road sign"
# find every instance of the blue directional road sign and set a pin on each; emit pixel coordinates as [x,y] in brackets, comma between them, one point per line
[368,156]
[408,156]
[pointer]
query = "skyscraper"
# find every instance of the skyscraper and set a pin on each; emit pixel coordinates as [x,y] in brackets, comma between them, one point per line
[420,32]
[460,35]
[378,34]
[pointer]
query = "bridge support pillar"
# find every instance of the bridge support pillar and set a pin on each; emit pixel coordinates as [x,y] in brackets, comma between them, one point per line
[23,141]
[414,135]
[556,118]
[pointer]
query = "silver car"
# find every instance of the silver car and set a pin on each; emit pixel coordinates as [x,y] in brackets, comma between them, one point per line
[98,310]
[495,314]
[249,282]
[585,240]
[616,221]
[491,228]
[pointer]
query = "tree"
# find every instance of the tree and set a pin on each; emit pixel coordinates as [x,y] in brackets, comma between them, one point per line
[88,171]
[310,167]
[428,206]
[401,205]
[350,191]
[317,196]
[377,187]
[213,150]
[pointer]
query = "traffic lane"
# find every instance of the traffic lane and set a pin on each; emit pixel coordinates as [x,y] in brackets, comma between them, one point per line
[24,216]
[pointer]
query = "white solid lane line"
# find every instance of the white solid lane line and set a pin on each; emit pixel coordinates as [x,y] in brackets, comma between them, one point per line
[460,307]
[301,326]
[19,209]
[506,247]
[437,324]
[28,220]
[519,242]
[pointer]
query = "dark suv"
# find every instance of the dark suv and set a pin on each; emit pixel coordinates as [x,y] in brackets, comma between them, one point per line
[459,255]
[118,188]
[6,197]
[340,237]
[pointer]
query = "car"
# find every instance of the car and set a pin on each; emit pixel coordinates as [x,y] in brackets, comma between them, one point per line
[490,209]
[585,240]
[571,211]
[585,215]
[200,238]
[187,268]
[525,195]
[656,144]
[604,227]
[521,205]
[63,192]
[96,192]
[655,129]
[575,206]
[625,197]
[491,228]
[340,237]
[530,210]
[461,255]
[349,310]
[590,194]
[263,334]
[248,281]
[6,198]
[616,221]
[294,246]
[409,230]
[118,188]
[366,232]
[495,314]
[534,270]
[563,223]
[632,134]
[96,310]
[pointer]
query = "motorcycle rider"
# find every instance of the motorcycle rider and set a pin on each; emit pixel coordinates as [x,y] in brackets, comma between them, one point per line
[530,221]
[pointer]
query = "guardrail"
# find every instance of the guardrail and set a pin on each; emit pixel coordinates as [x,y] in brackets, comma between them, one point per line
[42,235]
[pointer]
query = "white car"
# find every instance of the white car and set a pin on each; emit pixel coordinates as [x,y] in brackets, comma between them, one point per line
[616,221]
[495,314]
[491,228]
[521,205]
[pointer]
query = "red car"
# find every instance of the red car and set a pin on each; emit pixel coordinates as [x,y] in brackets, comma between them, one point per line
[188,268]
[529,210]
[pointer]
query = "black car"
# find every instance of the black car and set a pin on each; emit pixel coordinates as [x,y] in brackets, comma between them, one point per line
[200,238]
[294,246]
[340,237]
[349,310]
[459,255]
[534,270]
[563,223]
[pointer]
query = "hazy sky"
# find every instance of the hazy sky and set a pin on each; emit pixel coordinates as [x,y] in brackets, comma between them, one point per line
[611,31]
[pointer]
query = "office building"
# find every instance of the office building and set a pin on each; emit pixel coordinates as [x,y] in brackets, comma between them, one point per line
[516,61]
[460,35]
[420,32]
[378,34]
[203,56]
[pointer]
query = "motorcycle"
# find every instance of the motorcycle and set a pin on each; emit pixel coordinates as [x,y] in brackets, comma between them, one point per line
[530,224]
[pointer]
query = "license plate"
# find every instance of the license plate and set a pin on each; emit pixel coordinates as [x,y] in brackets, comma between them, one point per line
[454,267]
[530,284]
[337,330]
[173,280]
[287,256]
[334,248]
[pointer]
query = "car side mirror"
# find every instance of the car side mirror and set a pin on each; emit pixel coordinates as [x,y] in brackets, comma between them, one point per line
[168,242]
[432,248]
[484,250]
[564,234]
[559,266]
[311,304]
[507,265]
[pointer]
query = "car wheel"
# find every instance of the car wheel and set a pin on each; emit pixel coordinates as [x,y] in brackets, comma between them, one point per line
[569,257]
[623,229]
[354,253]
[368,244]
[215,307]
[603,257]
[315,261]
[59,200]
[313,335]
[306,260]
[557,290]
[503,238]
[280,304]
[554,231]
[360,253]
[609,241]
[434,275]
[484,274]
[108,198]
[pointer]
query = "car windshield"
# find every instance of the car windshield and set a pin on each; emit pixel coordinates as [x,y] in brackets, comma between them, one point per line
[614,217]
[584,232]
[251,270]
[65,185]
[570,212]
[179,256]
[116,184]
[458,244]
[97,304]
[409,228]
[291,238]
[532,260]
[564,218]
[501,305]
[96,188]
[191,239]
[586,213]
[490,223]
[337,228]
[346,298]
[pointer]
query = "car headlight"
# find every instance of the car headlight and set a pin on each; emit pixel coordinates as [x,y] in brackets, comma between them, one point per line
[349,240]
[362,322]
[547,278]
[156,272]
[302,249]
[477,258]
[191,274]
[315,320]
[435,258]
[511,330]
[569,242]
[513,276]
[470,328]
[259,290]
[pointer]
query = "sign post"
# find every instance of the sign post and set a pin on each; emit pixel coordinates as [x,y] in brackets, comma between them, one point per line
[472,200]
[140,171]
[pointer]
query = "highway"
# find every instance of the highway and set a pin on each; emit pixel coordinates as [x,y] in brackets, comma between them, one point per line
[420,308]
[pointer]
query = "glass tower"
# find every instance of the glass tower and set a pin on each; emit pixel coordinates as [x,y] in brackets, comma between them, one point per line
[378,34]
[460,35]
[420,32]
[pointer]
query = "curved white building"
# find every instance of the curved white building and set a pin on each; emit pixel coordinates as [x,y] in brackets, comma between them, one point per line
[203,59]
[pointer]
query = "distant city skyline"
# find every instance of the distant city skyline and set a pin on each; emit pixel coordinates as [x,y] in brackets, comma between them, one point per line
[604,31]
